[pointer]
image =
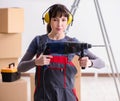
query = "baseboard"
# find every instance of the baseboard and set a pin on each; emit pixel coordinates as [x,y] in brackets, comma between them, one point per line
[100,74]
[108,75]
[87,74]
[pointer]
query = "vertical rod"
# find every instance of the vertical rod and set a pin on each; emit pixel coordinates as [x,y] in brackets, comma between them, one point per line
[73,10]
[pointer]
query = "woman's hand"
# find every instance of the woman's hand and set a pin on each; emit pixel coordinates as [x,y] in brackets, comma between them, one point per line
[85,62]
[43,60]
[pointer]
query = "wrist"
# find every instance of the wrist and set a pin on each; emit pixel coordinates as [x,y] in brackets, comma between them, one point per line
[91,64]
[35,62]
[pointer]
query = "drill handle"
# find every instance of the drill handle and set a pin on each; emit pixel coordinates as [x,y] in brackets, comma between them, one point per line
[82,55]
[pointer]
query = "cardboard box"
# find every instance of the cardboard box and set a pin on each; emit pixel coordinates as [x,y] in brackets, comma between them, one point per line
[11,20]
[0,76]
[13,91]
[6,62]
[32,85]
[77,77]
[10,45]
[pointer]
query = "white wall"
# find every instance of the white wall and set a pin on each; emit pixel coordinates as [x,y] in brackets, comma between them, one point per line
[85,26]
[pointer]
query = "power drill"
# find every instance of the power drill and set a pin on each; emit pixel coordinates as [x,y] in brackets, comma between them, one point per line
[66,48]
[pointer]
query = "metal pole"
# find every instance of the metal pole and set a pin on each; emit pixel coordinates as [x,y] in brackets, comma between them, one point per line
[73,10]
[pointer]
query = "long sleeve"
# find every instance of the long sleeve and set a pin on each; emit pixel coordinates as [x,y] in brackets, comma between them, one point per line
[97,61]
[26,62]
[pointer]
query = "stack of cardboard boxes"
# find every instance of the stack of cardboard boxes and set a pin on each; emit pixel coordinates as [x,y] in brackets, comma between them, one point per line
[11,28]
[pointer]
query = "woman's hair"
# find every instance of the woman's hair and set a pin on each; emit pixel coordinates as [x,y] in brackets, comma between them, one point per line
[57,10]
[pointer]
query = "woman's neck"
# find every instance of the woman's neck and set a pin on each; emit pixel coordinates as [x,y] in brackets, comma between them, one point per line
[54,36]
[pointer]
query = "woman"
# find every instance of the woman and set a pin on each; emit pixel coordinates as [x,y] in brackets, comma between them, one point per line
[54,76]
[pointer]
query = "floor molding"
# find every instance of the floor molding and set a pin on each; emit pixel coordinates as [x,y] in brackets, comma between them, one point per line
[108,75]
[86,74]
[100,74]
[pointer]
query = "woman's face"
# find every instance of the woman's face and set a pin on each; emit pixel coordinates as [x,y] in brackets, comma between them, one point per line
[58,24]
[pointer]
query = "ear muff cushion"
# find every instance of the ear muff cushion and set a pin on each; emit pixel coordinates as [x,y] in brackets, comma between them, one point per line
[47,19]
[70,19]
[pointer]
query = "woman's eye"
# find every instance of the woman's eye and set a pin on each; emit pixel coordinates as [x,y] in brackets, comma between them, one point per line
[64,20]
[54,19]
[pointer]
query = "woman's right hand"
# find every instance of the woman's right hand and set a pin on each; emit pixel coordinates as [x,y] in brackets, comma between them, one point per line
[43,60]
